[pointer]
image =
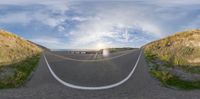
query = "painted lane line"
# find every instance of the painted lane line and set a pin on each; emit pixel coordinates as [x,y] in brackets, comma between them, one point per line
[93,88]
[72,59]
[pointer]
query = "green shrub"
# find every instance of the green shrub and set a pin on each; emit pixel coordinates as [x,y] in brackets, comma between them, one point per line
[161,75]
[170,80]
[183,84]
[150,56]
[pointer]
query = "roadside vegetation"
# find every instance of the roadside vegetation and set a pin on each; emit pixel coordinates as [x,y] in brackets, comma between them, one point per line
[175,60]
[113,50]
[15,75]
[18,58]
[170,80]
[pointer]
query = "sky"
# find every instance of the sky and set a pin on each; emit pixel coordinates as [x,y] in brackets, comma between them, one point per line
[88,24]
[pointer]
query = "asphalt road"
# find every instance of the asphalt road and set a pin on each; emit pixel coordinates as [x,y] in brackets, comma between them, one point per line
[90,56]
[140,85]
[93,73]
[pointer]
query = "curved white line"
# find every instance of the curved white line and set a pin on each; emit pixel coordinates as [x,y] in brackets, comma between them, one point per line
[93,88]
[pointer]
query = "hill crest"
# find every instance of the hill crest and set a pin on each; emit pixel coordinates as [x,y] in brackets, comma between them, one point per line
[14,48]
[182,48]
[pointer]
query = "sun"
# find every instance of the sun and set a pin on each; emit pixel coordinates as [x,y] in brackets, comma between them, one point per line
[100,46]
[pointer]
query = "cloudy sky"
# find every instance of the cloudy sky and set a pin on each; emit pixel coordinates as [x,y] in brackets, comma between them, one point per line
[60,24]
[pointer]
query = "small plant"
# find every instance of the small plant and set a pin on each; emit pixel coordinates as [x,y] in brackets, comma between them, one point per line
[170,80]
[150,57]
[163,76]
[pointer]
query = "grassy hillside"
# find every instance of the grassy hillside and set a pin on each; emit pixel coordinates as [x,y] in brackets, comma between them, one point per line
[112,50]
[175,56]
[181,49]
[18,58]
[14,48]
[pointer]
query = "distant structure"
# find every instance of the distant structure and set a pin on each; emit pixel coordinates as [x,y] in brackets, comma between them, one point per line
[85,51]
[104,52]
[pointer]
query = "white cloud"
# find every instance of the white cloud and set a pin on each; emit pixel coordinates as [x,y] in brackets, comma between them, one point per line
[48,19]
[55,5]
[78,18]
[176,2]
[194,24]
[30,2]
[52,13]
[49,42]
[15,18]
[110,23]
[61,28]
[151,29]
[46,40]
[24,18]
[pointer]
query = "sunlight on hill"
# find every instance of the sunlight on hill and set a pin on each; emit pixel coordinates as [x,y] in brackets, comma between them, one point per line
[181,49]
[18,59]
[175,60]
[14,48]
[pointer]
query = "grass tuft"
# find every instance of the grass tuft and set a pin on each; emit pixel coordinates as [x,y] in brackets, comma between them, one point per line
[170,80]
[23,70]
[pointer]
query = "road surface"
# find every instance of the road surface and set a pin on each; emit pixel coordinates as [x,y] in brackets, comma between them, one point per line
[140,84]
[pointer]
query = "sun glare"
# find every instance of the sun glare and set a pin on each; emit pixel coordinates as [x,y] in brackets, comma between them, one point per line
[100,46]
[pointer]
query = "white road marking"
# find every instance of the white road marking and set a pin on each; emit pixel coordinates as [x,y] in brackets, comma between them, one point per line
[68,58]
[93,88]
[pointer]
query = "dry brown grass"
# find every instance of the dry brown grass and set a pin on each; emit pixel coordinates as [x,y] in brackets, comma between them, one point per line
[179,49]
[14,49]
